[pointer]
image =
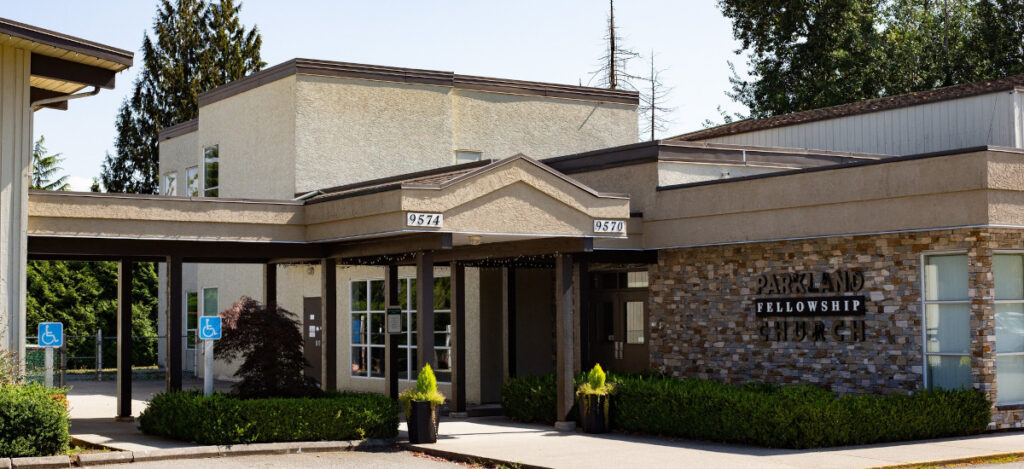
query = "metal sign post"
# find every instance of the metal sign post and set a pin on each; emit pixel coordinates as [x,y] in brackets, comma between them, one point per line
[209,331]
[50,336]
[394,328]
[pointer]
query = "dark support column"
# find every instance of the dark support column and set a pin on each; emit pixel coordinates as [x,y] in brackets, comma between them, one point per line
[329,321]
[564,341]
[270,285]
[124,340]
[173,316]
[582,327]
[391,300]
[425,310]
[458,298]
[508,321]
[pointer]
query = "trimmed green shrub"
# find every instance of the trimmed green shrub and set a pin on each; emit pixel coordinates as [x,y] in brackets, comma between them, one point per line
[33,421]
[225,419]
[800,416]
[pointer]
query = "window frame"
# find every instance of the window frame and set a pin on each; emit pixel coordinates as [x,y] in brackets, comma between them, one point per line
[479,156]
[170,183]
[924,310]
[206,188]
[1001,252]
[198,181]
[410,328]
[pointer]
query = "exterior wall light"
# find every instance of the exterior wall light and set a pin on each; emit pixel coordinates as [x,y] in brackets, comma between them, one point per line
[474,240]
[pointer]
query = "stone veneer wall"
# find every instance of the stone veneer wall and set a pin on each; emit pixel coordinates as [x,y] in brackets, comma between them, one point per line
[703,324]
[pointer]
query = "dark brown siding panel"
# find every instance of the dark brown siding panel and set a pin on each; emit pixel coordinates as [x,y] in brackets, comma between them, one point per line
[65,42]
[178,130]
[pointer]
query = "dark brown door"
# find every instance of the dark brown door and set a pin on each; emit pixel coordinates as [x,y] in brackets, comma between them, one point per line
[620,332]
[311,335]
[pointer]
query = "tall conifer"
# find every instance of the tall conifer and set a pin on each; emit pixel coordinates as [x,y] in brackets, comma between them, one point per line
[195,46]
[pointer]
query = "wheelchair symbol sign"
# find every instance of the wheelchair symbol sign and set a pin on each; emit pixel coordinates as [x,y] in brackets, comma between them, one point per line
[209,328]
[51,334]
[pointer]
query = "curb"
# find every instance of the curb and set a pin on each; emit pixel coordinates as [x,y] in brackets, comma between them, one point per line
[41,462]
[453,456]
[199,452]
[949,462]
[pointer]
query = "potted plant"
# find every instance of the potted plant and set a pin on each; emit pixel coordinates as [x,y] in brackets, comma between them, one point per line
[594,397]
[420,404]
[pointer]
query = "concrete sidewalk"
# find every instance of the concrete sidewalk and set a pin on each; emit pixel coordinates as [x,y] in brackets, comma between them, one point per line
[94,404]
[499,439]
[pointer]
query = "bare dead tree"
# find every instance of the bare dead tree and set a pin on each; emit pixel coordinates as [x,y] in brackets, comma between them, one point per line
[613,72]
[653,97]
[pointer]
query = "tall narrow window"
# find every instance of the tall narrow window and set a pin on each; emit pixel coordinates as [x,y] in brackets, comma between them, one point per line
[1009,282]
[171,183]
[191,319]
[210,302]
[192,181]
[947,321]
[211,167]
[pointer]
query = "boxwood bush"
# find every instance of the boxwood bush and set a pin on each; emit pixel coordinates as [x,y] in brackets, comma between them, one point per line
[33,421]
[800,416]
[226,419]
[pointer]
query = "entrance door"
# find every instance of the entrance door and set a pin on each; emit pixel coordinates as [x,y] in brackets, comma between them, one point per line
[311,336]
[619,322]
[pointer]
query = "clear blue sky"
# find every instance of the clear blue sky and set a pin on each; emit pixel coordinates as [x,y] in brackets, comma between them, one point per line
[555,41]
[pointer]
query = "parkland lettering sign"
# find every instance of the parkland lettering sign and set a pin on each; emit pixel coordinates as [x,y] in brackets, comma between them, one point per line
[808,295]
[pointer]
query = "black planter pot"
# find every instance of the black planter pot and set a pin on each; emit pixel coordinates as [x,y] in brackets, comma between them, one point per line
[593,411]
[422,422]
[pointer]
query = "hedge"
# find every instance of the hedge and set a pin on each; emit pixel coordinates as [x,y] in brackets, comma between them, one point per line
[226,419]
[33,421]
[800,416]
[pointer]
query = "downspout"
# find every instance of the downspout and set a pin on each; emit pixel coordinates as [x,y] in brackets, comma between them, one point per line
[56,99]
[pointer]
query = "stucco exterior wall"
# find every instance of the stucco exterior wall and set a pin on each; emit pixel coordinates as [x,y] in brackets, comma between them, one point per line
[501,125]
[232,281]
[255,131]
[177,155]
[351,130]
[670,173]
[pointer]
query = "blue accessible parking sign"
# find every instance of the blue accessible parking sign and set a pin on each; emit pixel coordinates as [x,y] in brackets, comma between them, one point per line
[209,328]
[51,334]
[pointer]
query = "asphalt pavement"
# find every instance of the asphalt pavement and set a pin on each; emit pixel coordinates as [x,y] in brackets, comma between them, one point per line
[379,459]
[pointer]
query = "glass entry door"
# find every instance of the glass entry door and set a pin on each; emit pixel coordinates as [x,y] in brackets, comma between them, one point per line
[620,333]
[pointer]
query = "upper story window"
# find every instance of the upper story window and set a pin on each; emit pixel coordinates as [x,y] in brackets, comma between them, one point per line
[171,183]
[192,181]
[467,156]
[211,167]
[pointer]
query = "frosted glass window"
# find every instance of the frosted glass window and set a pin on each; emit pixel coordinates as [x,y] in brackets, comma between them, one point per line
[210,302]
[634,322]
[192,181]
[945,278]
[1008,271]
[636,279]
[947,322]
[211,171]
[1009,276]
[462,156]
[1010,379]
[171,183]
[949,372]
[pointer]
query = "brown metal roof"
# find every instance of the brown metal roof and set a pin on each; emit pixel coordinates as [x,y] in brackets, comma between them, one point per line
[409,75]
[64,42]
[861,107]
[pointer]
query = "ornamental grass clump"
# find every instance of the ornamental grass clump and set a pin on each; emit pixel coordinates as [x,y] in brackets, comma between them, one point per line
[596,383]
[594,396]
[425,391]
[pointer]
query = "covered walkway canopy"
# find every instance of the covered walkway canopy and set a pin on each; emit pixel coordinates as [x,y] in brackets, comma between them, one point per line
[485,212]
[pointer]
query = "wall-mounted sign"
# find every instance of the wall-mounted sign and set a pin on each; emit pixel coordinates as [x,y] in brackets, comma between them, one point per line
[430,220]
[810,306]
[840,281]
[814,331]
[609,226]
[394,320]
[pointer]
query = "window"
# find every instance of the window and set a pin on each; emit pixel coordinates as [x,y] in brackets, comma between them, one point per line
[211,168]
[368,324]
[210,302]
[947,322]
[1009,303]
[171,183]
[635,322]
[465,156]
[192,181]
[191,319]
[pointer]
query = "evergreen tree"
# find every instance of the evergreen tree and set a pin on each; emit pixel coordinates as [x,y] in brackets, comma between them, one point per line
[45,168]
[999,38]
[196,46]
